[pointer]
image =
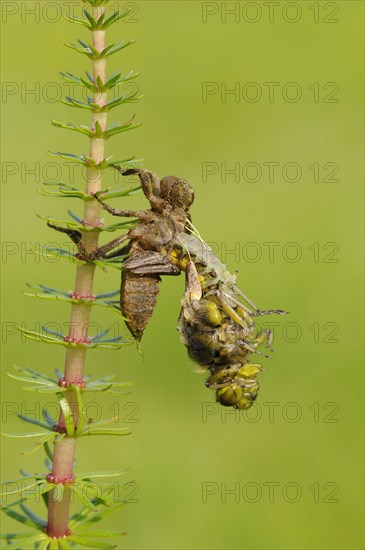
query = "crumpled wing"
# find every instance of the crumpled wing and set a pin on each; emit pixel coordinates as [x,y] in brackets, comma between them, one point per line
[149,262]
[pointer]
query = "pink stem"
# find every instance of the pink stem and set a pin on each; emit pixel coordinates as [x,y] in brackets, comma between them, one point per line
[64,451]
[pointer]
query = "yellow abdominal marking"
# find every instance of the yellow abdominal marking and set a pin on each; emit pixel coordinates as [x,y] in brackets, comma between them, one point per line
[183,262]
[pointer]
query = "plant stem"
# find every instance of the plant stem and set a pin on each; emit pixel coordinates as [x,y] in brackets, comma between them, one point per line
[64,451]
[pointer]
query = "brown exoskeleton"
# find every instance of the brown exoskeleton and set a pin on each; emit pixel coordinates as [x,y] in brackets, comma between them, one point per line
[150,243]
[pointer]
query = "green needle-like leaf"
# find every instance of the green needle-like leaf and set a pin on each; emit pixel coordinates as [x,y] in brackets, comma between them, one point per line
[63,544]
[81,129]
[71,78]
[24,379]
[50,545]
[110,431]
[39,522]
[81,495]
[101,533]
[21,487]
[113,194]
[116,47]
[100,474]
[34,374]
[78,21]
[98,131]
[89,105]
[112,343]
[131,98]
[41,337]
[114,130]
[80,406]
[92,22]
[25,418]
[101,512]
[70,224]
[89,543]
[48,452]
[24,435]
[47,487]
[24,540]
[85,49]
[113,80]
[40,291]
[67,414]
[83,159]
[115,17]
[59,253]
[40,443]
[66,191]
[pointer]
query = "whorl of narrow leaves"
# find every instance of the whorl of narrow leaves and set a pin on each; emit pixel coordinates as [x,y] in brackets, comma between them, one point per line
[96,496]
[98,24]
[97,132]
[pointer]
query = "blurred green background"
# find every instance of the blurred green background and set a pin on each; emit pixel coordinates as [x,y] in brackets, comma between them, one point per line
[295,459]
